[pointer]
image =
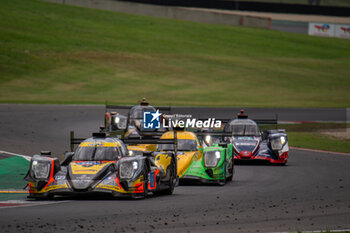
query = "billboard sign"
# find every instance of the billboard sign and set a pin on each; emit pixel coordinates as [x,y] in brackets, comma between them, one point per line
[342,31]
[322,29]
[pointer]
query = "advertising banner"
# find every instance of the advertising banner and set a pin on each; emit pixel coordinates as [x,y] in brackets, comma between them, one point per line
[321,29]
[342,31]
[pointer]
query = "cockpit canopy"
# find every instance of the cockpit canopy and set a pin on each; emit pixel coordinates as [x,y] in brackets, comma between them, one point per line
[242,127]
[136,112]
[100,149]
[186,141]
[182,145]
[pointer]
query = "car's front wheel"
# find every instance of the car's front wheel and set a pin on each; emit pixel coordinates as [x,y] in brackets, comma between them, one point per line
[231,171]
[172,180]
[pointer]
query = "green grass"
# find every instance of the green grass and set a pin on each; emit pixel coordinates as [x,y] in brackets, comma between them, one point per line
[309,127]
[318,141]
[52,53]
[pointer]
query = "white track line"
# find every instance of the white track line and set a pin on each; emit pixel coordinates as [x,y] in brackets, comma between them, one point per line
[24,203]
[14,154]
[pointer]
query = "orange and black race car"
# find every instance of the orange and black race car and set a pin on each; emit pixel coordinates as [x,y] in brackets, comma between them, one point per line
[103,164]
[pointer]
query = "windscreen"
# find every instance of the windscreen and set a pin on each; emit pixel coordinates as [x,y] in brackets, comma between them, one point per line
[182,145]
[137,111]
[244,129]
[97,153]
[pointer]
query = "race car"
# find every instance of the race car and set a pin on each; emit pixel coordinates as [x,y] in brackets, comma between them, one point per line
[212,165]
[102,164]
[223,162]
[251,144]
[131,125]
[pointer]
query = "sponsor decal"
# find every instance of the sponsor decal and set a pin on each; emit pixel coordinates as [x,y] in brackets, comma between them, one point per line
[83,177]
[99,144]
[245,143]
[88,163]
[151,178]
[59,177]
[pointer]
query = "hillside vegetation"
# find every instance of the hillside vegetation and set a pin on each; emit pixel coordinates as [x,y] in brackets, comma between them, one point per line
[52,53]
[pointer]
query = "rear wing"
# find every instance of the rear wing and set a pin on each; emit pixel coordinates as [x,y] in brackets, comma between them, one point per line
[75,141]
[143,134]
[128,107]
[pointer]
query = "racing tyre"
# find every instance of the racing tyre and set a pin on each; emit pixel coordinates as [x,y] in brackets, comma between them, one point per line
[172,181]
[228,179]
[223,182]
[145,183]
[145,186]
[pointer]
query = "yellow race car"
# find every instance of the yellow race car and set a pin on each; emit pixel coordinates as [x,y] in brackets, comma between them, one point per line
[189,149]
[102,164]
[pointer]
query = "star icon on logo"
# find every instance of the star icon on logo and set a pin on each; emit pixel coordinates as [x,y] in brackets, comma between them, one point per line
[155,115]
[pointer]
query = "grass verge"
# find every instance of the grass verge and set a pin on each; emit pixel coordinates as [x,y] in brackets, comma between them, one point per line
[318,141]
[52,53]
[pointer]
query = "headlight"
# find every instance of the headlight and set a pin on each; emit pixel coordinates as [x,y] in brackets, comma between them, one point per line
[116,120]
[283,140]
[207,139]
[119,122]
[127,169]
[212,158]
[277,143]
[41,169]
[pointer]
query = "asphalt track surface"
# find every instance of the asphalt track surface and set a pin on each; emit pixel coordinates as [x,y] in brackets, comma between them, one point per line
[310,193]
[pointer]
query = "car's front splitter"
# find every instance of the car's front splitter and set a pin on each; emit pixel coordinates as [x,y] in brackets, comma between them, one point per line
[282,159]
[197,179]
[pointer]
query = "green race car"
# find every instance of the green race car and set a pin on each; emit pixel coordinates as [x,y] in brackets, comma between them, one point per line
[215,163]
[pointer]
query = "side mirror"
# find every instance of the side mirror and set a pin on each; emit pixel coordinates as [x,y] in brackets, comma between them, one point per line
[67,158]
[119,122]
